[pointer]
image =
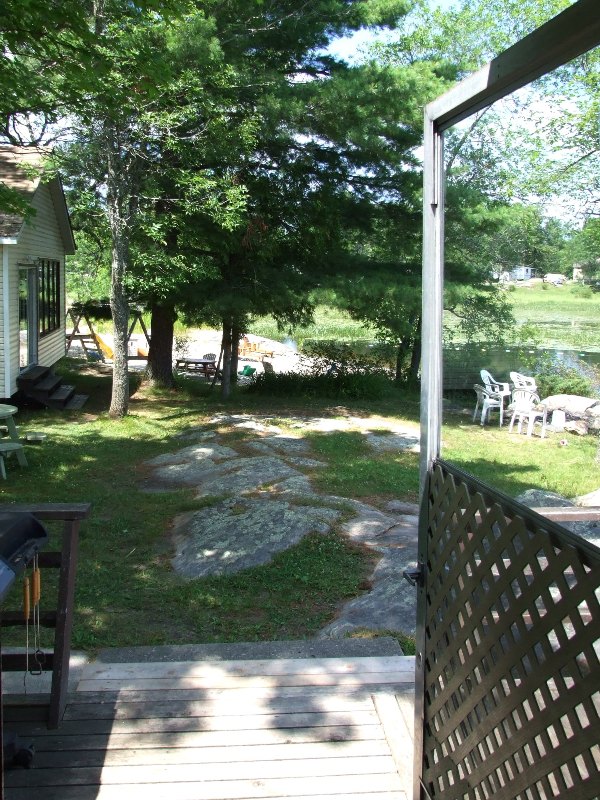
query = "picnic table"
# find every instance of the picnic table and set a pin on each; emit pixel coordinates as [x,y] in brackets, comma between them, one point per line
[13,445]
[208,366]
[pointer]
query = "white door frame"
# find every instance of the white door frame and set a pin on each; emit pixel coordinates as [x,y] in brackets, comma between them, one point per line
[30,273]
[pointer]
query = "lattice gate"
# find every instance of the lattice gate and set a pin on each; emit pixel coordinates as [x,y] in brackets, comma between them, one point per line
[508,650]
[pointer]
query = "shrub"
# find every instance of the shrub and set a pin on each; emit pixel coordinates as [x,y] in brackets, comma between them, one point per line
[554,376]
[583,291]
[338,386]
[328,357]
[330,369]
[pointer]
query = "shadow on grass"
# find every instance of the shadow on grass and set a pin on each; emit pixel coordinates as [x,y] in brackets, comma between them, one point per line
[511,477]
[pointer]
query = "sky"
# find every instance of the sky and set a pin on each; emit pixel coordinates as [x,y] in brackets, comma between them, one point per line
[350,47]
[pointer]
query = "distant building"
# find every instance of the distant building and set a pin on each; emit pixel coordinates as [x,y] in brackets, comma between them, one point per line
[522,273]
[32,276]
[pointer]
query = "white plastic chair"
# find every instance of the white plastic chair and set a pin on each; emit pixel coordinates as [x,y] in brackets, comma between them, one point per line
[525,407]
[523,381]
[492,385]
[489,401]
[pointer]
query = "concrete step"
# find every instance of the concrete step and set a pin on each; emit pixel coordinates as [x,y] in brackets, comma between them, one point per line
[245,651]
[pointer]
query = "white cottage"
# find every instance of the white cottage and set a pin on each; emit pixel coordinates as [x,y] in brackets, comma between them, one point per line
[32,275]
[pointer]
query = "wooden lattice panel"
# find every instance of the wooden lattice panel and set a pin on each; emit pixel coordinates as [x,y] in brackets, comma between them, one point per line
[511,650]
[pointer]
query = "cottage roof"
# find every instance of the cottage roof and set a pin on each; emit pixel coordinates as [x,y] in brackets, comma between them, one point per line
[16,165]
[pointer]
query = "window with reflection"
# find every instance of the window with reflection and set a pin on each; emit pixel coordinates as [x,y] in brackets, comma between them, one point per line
[48,295]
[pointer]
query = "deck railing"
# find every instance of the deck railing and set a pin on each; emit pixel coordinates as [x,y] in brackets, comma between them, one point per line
[508,648]
[61,619]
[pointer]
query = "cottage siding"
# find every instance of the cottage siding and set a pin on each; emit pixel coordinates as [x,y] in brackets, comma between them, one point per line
[39,238]
[4,255]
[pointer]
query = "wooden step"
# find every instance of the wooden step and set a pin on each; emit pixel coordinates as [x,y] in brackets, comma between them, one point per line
[76,402]
[46,386]
[60,397]
[43,386]
[32,376]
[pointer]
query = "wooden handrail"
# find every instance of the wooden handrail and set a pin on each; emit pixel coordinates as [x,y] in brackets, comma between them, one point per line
[569,513]
[53,510]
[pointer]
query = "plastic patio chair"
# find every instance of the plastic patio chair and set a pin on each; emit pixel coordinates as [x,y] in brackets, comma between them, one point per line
[523,381]
[247,371]
[525,407]
[492,385]
[488,401]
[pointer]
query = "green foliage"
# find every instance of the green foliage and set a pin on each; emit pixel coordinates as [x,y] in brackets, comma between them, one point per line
[483,315]
[88,273]
[582,291]
[553,376]
[340,358]
[330,369]
[585,249]
[237,179]
[94,309]
[337,386]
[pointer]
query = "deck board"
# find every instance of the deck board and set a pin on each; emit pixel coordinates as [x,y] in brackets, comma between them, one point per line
[288,728]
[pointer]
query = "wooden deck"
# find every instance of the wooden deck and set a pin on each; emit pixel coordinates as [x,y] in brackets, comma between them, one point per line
[225,730]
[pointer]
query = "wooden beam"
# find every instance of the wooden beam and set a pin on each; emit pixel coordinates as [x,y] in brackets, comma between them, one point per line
[573,32]
[64,621]
[432,297]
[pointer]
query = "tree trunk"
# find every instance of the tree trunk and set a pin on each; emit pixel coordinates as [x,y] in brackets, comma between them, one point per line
[235,344]
[226,373]
[415,360]
[160,356]
[117,197]
[401,353]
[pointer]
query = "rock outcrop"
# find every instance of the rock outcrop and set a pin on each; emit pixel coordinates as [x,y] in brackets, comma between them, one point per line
[582,413]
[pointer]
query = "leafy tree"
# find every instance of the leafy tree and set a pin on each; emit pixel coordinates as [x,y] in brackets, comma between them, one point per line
[493,160]
[71,58]
[316,142]
[45,49]
[584,250]
[541,142]
[156,121]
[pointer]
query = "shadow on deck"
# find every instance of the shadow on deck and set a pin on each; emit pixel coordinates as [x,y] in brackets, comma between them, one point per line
[213,729]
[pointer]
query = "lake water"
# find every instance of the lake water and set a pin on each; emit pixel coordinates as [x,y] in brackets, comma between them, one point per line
[462,364]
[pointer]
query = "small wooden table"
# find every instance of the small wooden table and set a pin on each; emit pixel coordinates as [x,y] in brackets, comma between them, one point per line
[6,416]
[206,365]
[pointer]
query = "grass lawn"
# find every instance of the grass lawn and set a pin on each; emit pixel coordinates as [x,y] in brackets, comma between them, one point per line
[542,303]
[567,316]
[514,463]
[127,593]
